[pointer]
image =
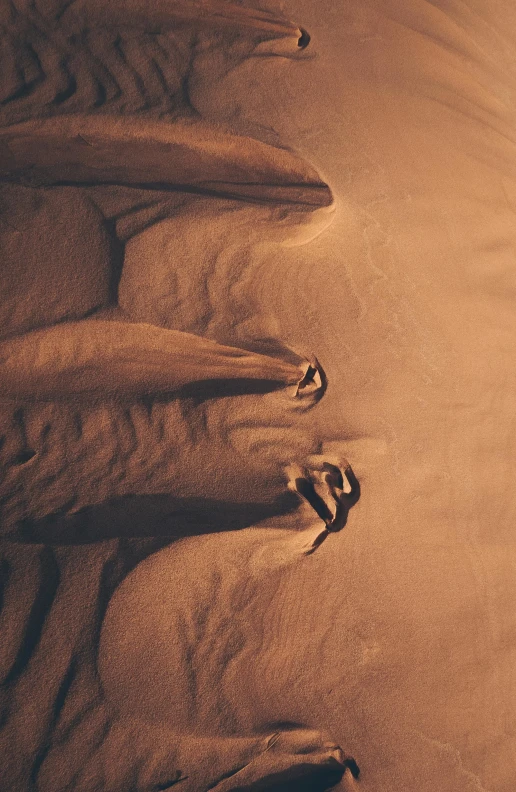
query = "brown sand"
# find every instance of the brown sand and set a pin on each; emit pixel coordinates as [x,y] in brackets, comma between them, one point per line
[397,636]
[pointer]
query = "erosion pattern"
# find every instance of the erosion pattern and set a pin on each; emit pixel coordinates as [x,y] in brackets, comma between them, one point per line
[143,401]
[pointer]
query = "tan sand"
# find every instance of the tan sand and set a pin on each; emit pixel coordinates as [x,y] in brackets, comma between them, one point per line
[396,637]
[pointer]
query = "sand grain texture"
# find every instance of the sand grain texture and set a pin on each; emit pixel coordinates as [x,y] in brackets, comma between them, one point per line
[170,511]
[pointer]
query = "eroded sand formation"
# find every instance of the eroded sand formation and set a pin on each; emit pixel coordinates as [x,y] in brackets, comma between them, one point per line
[179,607]
[85,176]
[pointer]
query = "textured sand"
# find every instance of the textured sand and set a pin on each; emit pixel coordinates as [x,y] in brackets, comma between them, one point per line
[397,636]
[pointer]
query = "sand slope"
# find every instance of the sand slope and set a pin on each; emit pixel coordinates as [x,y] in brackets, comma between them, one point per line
[397,635]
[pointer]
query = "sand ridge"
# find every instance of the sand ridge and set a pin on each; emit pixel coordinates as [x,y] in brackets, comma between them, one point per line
[395,638]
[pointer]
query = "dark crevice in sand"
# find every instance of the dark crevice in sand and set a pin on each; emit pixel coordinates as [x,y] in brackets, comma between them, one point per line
[41,607]
[25,87]
[25,452]
[59,702]
[5,569]
[299,778]
[101,93]
[22,92]
[317,194]
[194,418]
[218,389]
[170,783]
[307,490]
[116,261]
[69,89]
[140,516]
[108,87]
[186,94]
[64,8]
[304,39]
[118,49]
[225,776]
[24,456]
[81,717]
[112,572]
[353,767]
[124,555]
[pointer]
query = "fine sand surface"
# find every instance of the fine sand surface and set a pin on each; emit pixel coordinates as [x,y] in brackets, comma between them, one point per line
[397,636]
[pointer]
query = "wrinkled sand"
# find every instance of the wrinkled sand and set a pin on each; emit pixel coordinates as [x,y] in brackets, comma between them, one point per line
[398,635]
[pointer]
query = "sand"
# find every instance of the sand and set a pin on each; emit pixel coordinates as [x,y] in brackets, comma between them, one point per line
[395,638]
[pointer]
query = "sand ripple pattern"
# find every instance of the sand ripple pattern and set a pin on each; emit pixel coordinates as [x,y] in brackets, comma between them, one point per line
[47,70]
